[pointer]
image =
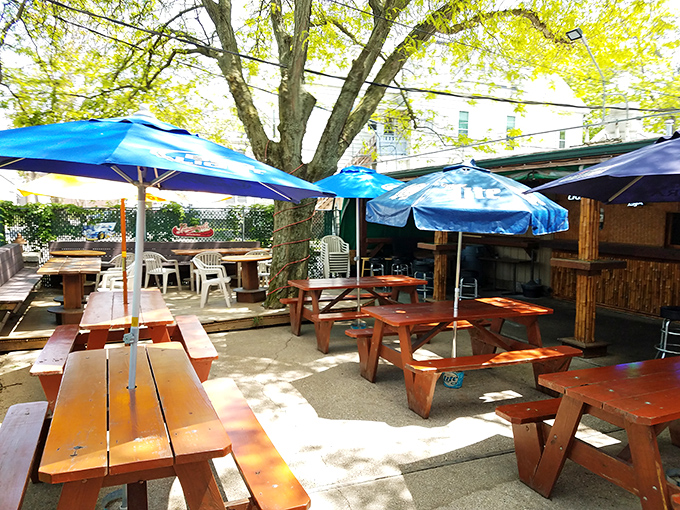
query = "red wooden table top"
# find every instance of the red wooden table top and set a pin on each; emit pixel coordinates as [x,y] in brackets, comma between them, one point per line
[167,419]
[365,282]
[105,310]
[644,392]
[409,314]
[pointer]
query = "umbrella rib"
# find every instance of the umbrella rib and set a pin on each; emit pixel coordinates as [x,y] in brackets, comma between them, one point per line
[11,162]
[122,174]
[164,177]
[277,192]
[624,189]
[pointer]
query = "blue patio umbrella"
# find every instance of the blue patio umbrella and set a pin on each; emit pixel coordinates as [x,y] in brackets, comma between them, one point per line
[358,182]
[143,151]
[466,198]
[649,174]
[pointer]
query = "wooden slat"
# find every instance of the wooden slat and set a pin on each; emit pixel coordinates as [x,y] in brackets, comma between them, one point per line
[19,437]
[194,429]
[268,477]
[441,311]
[137,435]
[98,312]
[529,412]
[481,361]
[52,358]
[77,442]
[365,282]
[153,308]
[194,338]
[560,382]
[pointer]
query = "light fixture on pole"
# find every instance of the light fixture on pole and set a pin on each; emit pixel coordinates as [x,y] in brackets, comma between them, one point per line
[576,34]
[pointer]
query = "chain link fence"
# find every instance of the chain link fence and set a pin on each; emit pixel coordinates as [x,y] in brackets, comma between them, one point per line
[39,225]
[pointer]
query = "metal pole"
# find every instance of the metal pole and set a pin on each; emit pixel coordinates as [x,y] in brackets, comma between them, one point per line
[604,82]
[137,282]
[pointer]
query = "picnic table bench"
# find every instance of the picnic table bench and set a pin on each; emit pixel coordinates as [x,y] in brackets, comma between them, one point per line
[271,483]
[197,344]
[20,435]
[16,283]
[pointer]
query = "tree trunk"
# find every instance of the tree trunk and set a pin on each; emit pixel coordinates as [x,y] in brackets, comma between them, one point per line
[292,233]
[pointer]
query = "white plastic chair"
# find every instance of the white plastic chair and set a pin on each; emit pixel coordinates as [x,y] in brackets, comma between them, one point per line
[335,256]
[208,277]
[114,281]
[155,265]
[117,269]
[212,262]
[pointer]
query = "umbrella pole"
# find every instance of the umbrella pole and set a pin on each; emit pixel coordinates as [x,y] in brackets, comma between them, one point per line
[358,323]
[137,285]
[456,293]
[123,250]
[455,379]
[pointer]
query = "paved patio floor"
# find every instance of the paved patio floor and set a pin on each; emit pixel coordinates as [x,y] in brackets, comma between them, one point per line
[356,445]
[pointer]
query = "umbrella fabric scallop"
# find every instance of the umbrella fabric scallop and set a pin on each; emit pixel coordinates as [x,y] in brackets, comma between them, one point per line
[144,151]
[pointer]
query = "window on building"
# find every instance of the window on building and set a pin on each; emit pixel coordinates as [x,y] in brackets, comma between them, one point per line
[673,230]
[463,120]
[510,124]
[563,139]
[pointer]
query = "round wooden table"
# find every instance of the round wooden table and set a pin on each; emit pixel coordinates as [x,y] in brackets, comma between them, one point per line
[77,253]
[250,292]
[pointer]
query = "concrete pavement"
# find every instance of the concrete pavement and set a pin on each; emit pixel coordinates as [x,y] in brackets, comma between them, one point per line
[356,445]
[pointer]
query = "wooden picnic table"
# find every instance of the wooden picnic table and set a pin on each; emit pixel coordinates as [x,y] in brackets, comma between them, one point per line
[250,291]
[641,398]
[106,311]
[485,315]
[103,435]
[323,318]
[72,272]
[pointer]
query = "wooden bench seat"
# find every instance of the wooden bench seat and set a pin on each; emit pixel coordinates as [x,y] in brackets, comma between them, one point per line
[481,361]
[392,331]
[16,283]
[529,412]
[49,366]
[528,431]
[420,391]
[197,344]
[330,297]
[271,483]
[19,438]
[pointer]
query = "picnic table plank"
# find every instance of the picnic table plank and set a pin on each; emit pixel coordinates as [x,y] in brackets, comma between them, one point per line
[209,439]
[76,446]
[135,415]
[563,381]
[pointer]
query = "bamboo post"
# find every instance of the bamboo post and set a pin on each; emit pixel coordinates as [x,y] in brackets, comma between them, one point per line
[588,240]
[440,266]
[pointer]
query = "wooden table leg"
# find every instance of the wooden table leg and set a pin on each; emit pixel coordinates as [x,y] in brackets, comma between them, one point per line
[296,315]
[199,486]
[97,338]
[649,474]
[557,446]
[323,335]
[137,496]
[81,494]
[159,334]
[369,366]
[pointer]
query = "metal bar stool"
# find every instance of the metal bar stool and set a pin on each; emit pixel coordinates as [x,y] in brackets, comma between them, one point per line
[669,314]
